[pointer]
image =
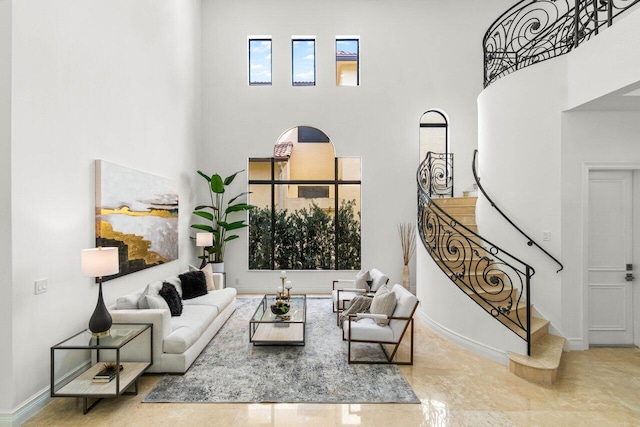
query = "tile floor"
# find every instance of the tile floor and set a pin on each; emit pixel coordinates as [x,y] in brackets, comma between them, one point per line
[599,387]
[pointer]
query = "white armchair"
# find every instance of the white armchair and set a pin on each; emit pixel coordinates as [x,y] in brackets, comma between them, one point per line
[346,290]
[364,328]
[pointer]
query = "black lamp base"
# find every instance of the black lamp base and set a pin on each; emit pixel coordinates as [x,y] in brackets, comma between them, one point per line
[100,322]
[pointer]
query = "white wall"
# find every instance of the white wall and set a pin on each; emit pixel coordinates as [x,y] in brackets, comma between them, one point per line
[519,166]
[415,55]
[5,206]
[614,53]
[107,79]
[588,137]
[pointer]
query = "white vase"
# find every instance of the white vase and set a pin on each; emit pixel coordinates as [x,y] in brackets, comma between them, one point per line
[217,267]
[406,278]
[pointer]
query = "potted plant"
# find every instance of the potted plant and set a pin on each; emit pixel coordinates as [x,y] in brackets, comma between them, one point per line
[217,215]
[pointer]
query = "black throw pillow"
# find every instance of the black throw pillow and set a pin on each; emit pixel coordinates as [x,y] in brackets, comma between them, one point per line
[194,284]
[172,297]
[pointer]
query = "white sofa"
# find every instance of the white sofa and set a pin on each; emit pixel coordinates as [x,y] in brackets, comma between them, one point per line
[178,340]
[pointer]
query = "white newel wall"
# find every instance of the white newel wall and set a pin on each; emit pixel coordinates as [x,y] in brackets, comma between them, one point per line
[107,79]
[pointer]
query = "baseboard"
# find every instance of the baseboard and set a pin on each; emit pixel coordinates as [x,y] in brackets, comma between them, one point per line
[576,344]
[39,400]
[27,410]
[483,350]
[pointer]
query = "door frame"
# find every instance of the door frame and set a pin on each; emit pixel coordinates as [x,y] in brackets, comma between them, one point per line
[587,168]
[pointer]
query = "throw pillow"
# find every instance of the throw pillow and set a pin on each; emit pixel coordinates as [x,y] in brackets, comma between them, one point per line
[129,301]
[155,302]
[208,275]
[170,294]
[383,303]
[152,289]
[379,279]
[194,284]
[361,279]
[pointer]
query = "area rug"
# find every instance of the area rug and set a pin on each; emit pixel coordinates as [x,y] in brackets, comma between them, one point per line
[232,370]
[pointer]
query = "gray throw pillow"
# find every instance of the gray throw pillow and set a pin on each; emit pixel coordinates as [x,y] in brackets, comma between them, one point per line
[156,301]
[383,303]
[361,279]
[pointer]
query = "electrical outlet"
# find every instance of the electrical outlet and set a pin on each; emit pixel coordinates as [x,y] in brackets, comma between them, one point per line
[41,286]
[546,236]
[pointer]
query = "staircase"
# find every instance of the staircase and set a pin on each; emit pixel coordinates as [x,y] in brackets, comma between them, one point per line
[546,350]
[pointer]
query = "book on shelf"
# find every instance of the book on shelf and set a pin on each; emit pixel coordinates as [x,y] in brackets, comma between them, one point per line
[105,374]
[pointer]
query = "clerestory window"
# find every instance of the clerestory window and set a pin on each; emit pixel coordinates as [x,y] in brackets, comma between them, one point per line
[303,61]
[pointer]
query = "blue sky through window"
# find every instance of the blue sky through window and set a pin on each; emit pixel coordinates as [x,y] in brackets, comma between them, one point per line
[347,46]
[260,61]
[304,62]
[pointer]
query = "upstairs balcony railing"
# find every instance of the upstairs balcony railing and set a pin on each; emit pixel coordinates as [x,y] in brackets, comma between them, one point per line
[533,31]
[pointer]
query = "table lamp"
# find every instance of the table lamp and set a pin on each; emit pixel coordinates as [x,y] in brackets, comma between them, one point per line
[99,262]
[204,240]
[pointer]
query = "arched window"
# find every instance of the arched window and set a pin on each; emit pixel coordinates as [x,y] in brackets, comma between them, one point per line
[434,133]
[307,214]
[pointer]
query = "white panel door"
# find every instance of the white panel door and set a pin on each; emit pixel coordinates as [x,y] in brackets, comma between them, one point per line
[610,254]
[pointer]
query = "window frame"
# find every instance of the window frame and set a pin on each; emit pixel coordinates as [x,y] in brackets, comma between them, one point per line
[294,40]
[260,39]
[273,182]
[344,39]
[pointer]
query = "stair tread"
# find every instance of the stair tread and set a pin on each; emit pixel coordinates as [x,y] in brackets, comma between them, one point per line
[545,353]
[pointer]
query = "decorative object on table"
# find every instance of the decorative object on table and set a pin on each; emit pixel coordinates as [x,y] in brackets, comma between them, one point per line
[217,215]
[283,278]
[288,286]
[138,213]
[280,308]
[408,241]
[204,240]
[99,262]
[106,373]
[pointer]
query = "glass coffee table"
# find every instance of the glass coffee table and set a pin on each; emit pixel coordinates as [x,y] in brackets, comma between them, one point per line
[266,328]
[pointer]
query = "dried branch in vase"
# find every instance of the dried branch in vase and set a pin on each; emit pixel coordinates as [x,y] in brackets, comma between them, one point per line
[408,240]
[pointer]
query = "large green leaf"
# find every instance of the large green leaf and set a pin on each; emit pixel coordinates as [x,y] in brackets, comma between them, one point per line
[239,207]
[235,225]
[205,215]
[228,180]
[204,175]
[232,237]
[217,186]
[197,208]
[239,195]
[202,227]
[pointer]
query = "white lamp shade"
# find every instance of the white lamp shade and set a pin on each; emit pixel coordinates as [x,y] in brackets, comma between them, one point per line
[98,262]
[204,239]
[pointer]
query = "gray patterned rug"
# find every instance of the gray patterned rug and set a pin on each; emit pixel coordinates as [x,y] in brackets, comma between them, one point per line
[231,370]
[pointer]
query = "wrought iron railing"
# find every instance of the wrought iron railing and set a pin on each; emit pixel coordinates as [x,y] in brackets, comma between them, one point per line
[533,31]
[497,281]
[439,171]
[530,241]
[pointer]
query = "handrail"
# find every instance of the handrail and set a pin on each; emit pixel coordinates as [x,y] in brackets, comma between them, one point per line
[496,280]
[533,31]
[530,241]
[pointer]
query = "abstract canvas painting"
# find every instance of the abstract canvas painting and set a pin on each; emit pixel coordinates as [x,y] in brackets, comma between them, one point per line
[138,213]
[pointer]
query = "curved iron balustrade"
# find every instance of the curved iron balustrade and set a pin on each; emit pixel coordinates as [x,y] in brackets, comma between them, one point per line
[493,278]
[533,31]
[440,174]
[530,241]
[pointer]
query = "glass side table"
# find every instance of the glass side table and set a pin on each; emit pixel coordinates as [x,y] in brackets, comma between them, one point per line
[76,360]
